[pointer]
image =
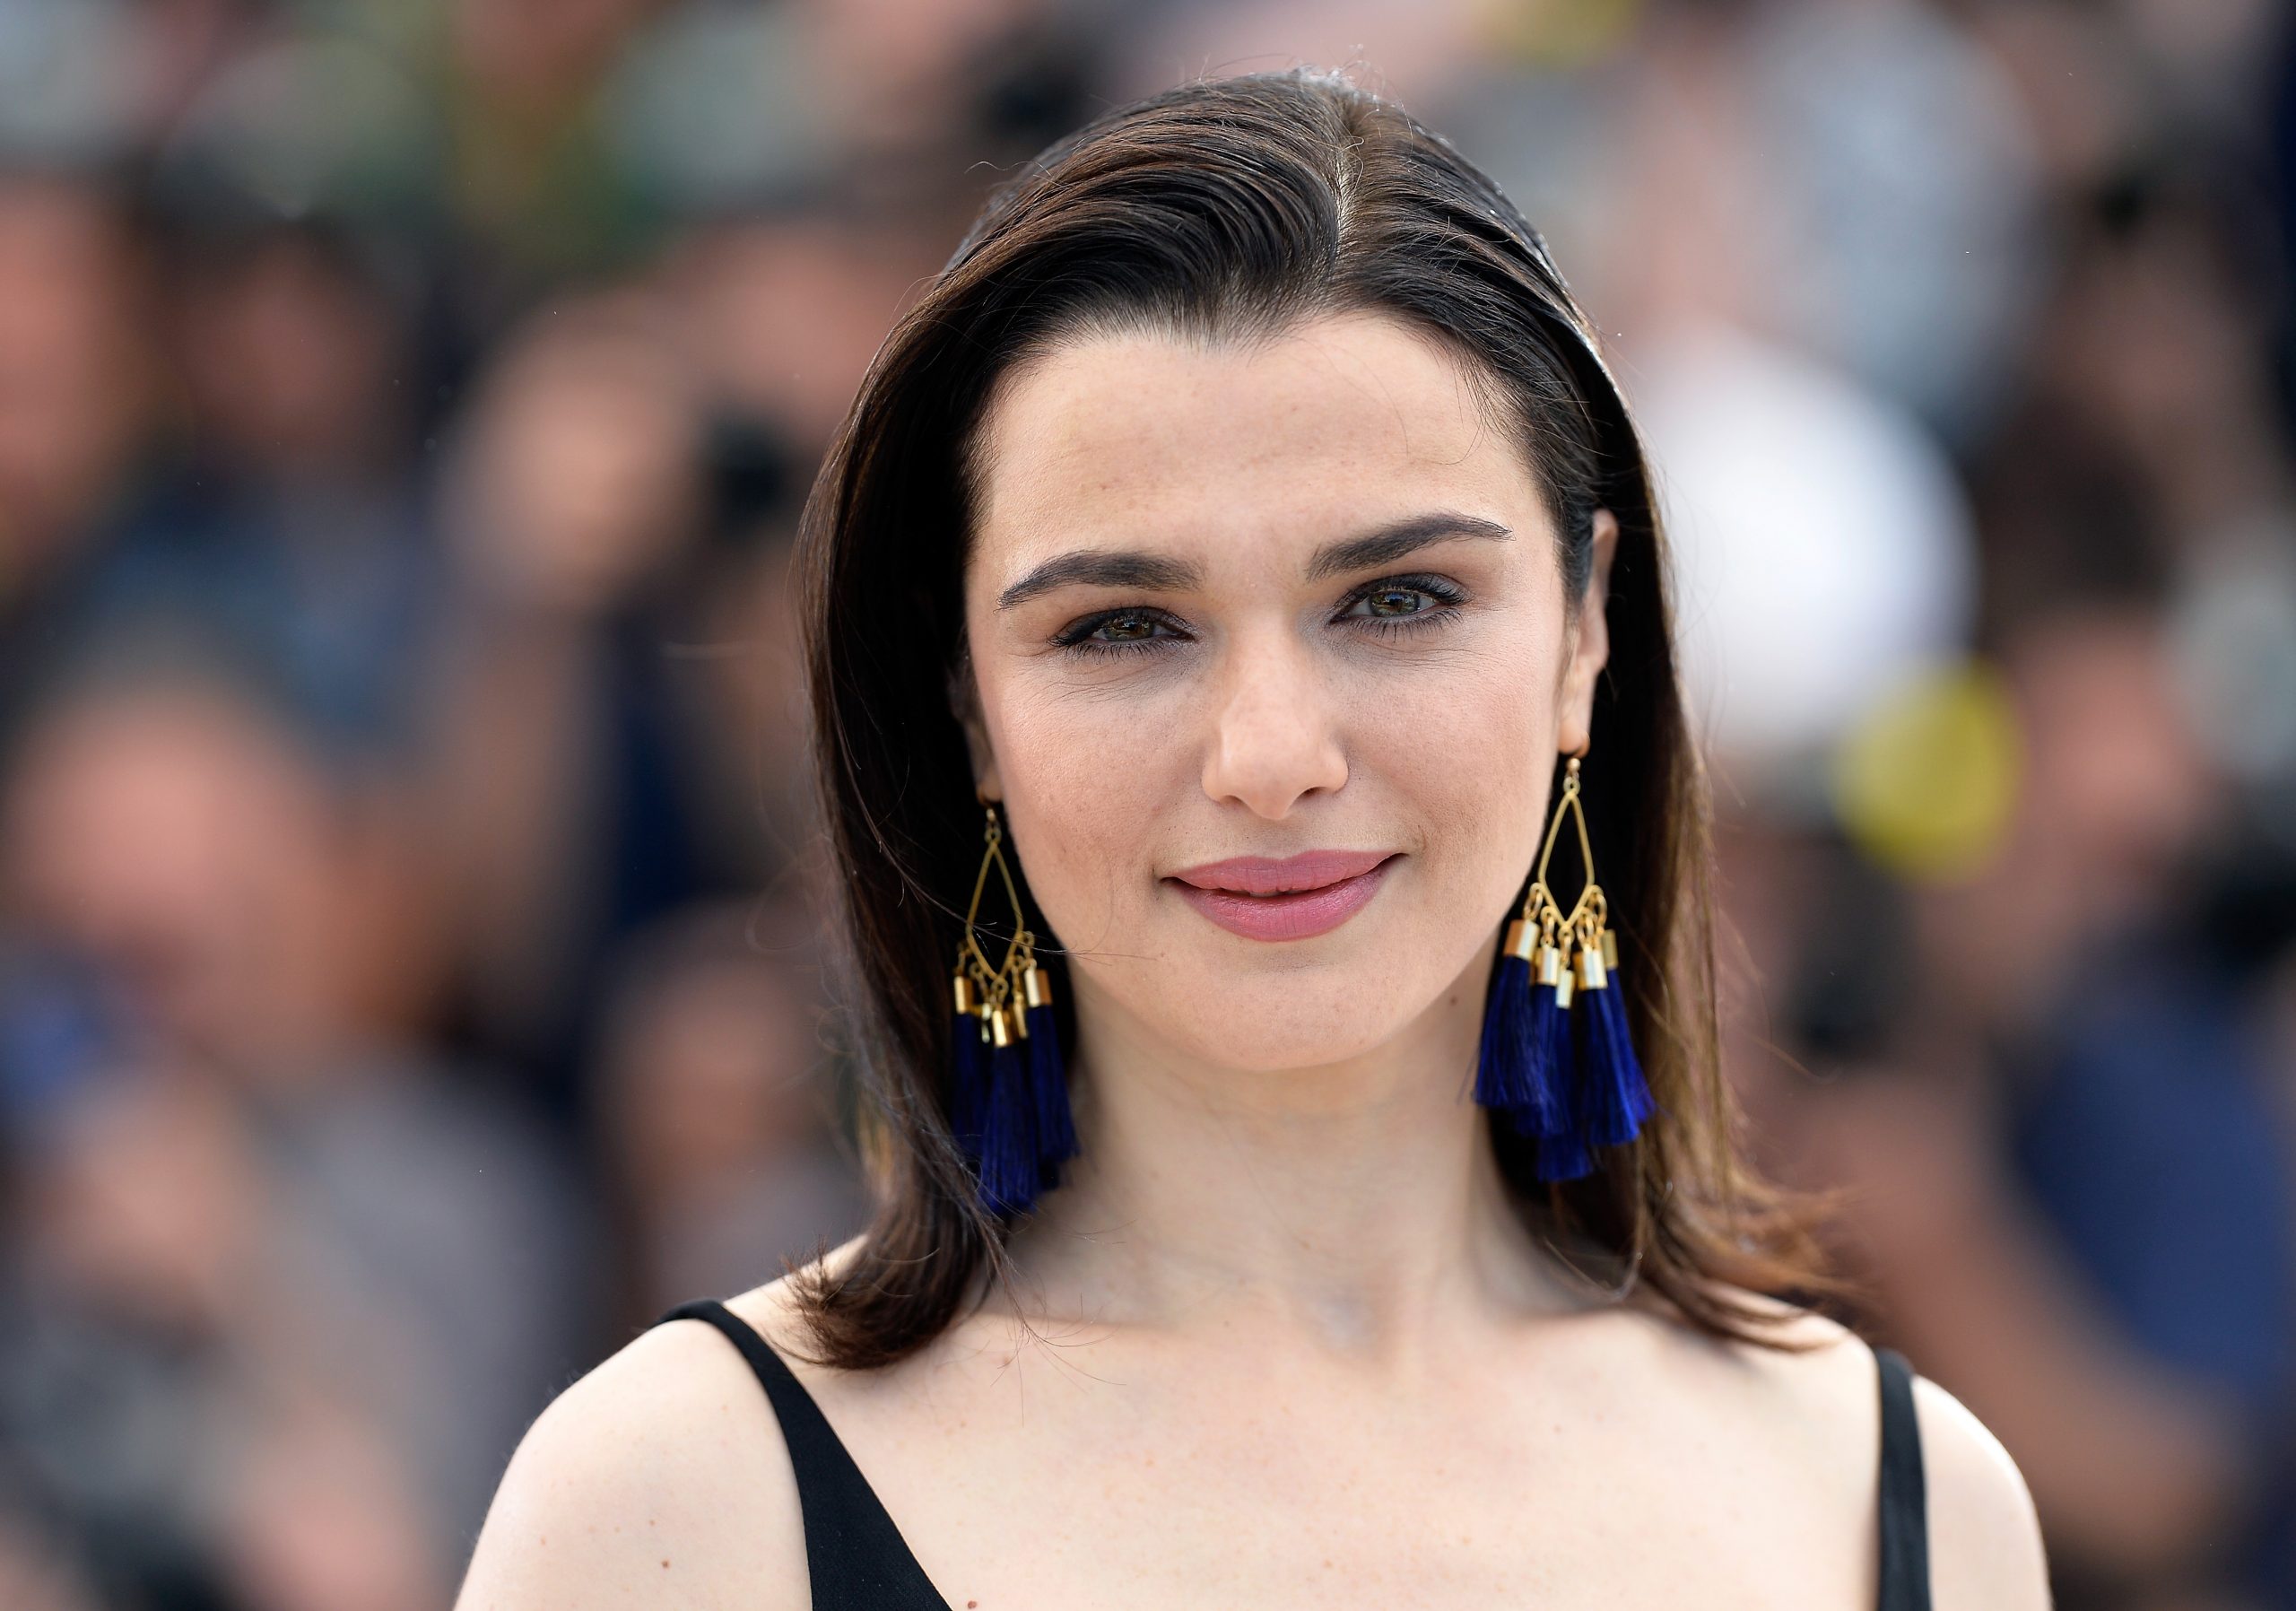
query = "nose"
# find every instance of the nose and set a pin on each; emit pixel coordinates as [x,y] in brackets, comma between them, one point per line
[1274,735]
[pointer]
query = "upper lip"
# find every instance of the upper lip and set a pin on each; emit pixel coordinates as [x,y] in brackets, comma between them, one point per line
[1269,876]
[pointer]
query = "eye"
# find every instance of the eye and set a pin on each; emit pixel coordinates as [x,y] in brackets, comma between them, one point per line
[1115,630]
[1403,603]
[1395,601]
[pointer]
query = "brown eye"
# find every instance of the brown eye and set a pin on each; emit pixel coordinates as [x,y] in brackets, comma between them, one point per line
[1126,629]
[1405,603]
[1115,630]
[1394,600]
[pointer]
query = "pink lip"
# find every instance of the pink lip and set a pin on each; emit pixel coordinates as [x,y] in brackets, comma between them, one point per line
[1320,890]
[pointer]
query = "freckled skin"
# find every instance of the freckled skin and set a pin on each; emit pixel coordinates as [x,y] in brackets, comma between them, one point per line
[1273,727]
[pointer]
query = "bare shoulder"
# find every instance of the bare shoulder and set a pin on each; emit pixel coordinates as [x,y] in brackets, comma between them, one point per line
[1810,1373]
[1985,1538]
[660,1476]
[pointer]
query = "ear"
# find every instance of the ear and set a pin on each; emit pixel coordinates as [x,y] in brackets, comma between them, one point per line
[1590,648]
[964,705]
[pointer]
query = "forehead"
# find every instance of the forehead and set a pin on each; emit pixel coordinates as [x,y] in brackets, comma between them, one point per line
[1158,437]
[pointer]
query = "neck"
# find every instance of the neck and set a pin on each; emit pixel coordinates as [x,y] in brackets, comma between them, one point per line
[1356,1203]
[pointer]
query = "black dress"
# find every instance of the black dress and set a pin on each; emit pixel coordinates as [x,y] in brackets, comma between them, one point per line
[858,1562]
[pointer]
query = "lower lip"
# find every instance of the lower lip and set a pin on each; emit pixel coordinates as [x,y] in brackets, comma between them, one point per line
[1301,915]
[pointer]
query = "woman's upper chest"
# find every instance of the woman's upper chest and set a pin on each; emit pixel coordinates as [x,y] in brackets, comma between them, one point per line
[1128,1475]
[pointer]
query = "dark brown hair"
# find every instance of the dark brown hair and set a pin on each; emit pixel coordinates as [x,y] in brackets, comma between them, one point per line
[1233,209]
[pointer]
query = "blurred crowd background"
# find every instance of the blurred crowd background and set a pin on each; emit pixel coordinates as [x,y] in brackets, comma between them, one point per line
[408,980]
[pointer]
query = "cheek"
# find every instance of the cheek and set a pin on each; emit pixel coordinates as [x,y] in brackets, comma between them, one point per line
[1088,781]
[1466,748]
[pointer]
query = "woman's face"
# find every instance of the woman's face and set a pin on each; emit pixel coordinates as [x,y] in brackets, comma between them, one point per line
[1285,618]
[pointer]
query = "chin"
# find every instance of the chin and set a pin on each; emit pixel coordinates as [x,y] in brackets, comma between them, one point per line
[1294,1013]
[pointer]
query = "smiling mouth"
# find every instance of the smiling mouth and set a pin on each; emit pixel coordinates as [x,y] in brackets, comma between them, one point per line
[1262,876]
[1296,898]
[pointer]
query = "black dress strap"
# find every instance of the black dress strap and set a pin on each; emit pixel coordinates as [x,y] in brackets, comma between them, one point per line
[856,1560]
[1904,1500]
[854,1557]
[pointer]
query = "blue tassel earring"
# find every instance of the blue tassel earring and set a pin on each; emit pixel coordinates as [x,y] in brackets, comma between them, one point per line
[1567,1079]
[1056,1129]
[1008,1085]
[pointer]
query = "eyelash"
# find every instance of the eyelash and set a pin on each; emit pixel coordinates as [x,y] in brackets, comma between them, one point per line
[1076,638]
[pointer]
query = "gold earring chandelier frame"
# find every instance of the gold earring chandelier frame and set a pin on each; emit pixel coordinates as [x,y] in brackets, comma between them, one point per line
[1000,993]
[1574,950]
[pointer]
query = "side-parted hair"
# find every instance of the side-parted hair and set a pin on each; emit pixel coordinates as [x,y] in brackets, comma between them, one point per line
[1232,210]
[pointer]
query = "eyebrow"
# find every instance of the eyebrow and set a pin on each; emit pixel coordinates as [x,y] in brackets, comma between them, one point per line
[1128,568]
